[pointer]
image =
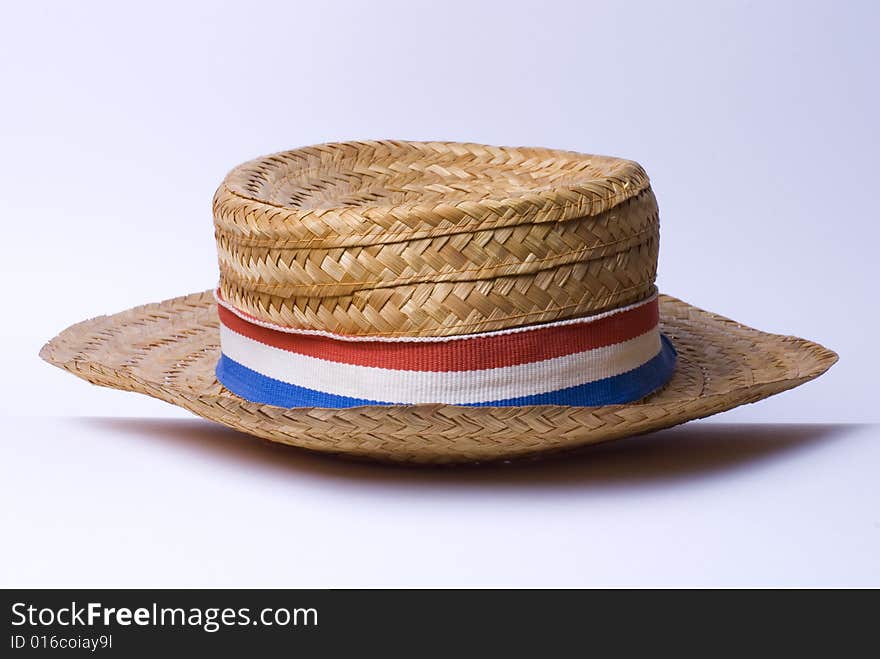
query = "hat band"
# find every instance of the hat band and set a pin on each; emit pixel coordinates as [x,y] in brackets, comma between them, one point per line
[610,358]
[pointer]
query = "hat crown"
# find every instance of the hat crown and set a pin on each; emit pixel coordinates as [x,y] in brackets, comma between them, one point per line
[433,239]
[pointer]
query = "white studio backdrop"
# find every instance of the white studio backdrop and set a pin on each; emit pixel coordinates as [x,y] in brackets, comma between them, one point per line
[756,122]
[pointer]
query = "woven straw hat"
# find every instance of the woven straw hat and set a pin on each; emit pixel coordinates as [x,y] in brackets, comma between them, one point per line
[436,303]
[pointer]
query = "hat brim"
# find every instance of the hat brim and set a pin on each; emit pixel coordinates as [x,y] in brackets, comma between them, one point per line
[169,350]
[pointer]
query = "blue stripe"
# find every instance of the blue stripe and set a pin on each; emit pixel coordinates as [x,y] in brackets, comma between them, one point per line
[624,388]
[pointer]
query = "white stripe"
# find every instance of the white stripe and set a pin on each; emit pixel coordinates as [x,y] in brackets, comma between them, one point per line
[453,387]
[430,339]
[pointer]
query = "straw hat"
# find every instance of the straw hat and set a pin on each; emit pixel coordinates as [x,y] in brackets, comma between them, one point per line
[436,302]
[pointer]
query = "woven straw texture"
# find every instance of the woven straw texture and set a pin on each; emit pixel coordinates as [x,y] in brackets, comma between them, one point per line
[433,238]
[169,350]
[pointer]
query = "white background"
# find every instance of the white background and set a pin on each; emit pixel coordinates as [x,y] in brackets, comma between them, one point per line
[757,124]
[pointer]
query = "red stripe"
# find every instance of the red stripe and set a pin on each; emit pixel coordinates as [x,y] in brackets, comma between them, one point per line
[461,354]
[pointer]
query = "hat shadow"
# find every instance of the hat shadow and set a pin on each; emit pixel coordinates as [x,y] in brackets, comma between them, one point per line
[693,450]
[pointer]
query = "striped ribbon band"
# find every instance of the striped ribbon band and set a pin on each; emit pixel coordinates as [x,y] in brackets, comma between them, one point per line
[614,357]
